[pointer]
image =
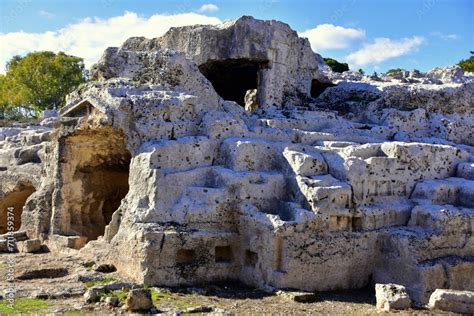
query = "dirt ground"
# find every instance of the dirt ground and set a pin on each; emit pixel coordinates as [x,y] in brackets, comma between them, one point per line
[50,283]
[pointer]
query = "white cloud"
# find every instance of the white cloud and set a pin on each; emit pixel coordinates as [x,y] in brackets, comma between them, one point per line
[329,36]
[90,37]
[45,14]
[382,49]
[446,37]
[208,7]
[451,37]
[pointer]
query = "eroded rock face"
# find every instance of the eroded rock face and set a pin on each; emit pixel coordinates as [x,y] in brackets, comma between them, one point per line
[373,96]
[427,111]
[23,151]
[151,170]
[448,74]
[264,55]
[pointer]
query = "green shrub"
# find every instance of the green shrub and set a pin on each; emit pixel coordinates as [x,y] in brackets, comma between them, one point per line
[335,65]
[391,71]
[467,64]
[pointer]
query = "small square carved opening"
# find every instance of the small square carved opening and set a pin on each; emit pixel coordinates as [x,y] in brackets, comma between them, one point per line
[251,258]
[185,256]
[223,254]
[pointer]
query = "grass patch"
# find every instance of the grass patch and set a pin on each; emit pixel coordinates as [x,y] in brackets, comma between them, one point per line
[23,305]
[121,294]
[104,281]
[157,295]
[168,298]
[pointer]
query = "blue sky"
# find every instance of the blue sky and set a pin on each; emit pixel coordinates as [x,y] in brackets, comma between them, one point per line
[369,34]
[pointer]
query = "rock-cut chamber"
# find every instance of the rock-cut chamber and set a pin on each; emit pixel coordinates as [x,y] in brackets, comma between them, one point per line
[15,199]
[318,87]
[95,173]
[231,78]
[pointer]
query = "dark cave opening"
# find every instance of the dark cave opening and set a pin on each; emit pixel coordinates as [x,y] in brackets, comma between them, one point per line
[97,182]
[104,189]
[15,200]
[231,78]
[318,87]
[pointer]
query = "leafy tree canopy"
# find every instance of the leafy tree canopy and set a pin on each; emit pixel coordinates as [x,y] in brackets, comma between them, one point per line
[38,81]
[391,71]
[467,64]
[335,65]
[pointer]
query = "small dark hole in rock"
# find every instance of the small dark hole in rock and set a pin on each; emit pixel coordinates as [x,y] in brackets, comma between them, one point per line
[106,268]
[48,273]
[251,258]
[223,254]
[186,256]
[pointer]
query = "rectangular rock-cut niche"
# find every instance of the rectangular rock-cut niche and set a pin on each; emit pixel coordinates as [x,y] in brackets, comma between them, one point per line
[278,256]
[223,254]
[339,223]
[251,258]
[185,256]
[357,223]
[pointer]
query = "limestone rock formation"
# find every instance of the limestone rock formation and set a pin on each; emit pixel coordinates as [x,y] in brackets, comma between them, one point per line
[452,301]
[235,56]
[391,296]
[138,300]
[156,167]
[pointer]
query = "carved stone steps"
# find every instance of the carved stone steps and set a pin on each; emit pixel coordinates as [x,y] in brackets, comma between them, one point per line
[454,191]
[465,170]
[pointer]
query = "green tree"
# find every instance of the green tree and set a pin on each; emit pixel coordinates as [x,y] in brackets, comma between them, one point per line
[391,71]
[467,64]
[39,81]
[361,71]
[8,100]
[335,65]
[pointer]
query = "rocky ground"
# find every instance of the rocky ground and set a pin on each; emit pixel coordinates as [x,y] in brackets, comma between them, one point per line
[48,283]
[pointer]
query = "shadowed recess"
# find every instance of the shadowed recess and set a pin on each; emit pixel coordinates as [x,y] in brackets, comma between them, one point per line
[96,174]
[232,78]
[15,199]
